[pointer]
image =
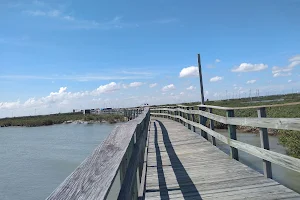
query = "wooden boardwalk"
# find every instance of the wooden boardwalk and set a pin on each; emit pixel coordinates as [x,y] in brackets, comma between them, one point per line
[181,164]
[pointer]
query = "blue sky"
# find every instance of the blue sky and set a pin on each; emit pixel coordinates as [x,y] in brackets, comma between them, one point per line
[58,55]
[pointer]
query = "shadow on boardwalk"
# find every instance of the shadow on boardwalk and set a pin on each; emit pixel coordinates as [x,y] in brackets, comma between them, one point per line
[186,185]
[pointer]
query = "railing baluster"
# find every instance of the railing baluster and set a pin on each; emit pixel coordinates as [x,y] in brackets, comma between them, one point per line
[193,119]
[202,122]
[188,116]
[181,114]
[232,134]
[264,141]
[212,127]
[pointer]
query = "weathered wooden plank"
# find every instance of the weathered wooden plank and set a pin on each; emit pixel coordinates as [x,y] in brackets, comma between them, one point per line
[275,123]
[141,192]
[211,175]
[93,178]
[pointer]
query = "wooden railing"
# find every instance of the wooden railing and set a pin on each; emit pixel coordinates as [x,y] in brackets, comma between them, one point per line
[186,115]
[119,163]
[131,113]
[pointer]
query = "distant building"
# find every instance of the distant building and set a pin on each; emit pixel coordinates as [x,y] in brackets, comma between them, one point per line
[87,111]
[98,111]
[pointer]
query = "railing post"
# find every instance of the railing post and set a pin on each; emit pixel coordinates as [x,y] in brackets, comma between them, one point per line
[232,134]
[202,122]
[183,115]
[212,127]
[264,141]
[193,119]
[180,114]
[175,114]
[188,118]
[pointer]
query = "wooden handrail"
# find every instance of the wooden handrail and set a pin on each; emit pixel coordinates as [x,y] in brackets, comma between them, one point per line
[237,108]
[120,154]
[277,158]
[275,123]
[249,107]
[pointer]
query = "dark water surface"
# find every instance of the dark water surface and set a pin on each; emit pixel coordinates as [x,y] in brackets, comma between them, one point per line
[34,161]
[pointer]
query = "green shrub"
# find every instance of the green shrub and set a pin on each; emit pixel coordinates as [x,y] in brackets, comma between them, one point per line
[291,140]
[43,120]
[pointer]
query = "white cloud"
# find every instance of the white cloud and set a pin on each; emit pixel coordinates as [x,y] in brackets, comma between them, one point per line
[191,88]
[295,58]
[74,23]
[286,71]
[10,105]
[191,71]
[153,85]
[248,67]
[68,18]
[216,78]
[125,86]
[136,84]
[168,87]
[111,87]
[217,60]
[51,13]
[60,98]
[251,81]
[289,81]
[181,93]
[281,71]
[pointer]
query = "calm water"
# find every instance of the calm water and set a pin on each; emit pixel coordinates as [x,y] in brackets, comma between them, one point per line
[34,161]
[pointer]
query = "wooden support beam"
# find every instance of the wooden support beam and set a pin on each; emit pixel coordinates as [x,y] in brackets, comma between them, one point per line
[193,119]
[203,122]
[264,141]
[188,118]
[212,127]
[232,135]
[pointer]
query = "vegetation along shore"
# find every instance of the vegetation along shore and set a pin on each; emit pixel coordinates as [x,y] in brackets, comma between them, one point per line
[45,120]
[289,139]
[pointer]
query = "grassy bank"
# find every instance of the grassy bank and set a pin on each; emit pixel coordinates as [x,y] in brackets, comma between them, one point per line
[44,120]
[289,139]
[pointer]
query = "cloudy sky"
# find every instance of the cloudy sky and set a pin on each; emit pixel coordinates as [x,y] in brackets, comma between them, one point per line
[59,55]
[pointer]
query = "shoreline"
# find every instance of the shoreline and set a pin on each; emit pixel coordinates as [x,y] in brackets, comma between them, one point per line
[68,118]
[69,122]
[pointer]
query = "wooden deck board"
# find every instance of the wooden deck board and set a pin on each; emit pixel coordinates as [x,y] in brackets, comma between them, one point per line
[183,165]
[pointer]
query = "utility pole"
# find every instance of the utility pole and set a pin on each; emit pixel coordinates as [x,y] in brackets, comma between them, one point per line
[201,81]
